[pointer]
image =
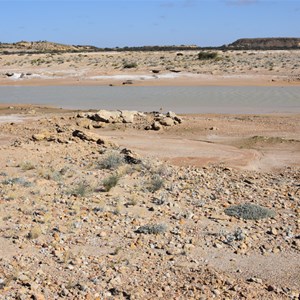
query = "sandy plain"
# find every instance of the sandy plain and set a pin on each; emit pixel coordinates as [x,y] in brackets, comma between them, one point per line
[82,218]
[257,68]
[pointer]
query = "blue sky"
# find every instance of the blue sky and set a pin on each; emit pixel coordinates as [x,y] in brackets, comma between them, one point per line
[111,23]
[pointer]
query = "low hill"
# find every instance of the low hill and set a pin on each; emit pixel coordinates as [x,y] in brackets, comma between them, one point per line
[42,47]
[265,44]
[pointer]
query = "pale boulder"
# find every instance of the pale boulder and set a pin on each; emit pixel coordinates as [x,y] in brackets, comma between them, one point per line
[128,116]
[167,121]
[107,116]
[85,123]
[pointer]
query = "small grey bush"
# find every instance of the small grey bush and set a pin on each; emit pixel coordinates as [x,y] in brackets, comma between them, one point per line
[82,189]
[111,161]
[155,183]
[237,235]
[249,211]
[18,180]
[56,176]
[152,229]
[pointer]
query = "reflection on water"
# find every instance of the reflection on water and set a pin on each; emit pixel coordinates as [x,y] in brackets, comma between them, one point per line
[209,99]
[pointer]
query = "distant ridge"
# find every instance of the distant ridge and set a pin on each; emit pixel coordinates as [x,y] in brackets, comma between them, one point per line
[51,47]
[24,47]
[42,47]
[265,43]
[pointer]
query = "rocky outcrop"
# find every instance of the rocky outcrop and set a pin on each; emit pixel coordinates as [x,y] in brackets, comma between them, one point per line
[149,121]
[45,135]
[155,126]
[106,116]
[86,136]
[130,156]
[93,137]
[118,116]
[265,44]
[169,119]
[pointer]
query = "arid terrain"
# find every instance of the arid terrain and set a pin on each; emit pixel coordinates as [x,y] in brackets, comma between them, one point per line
[231,67]
[148,205]
[131,205]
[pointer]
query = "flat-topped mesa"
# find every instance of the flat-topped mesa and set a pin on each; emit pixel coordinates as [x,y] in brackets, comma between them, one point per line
[281,43]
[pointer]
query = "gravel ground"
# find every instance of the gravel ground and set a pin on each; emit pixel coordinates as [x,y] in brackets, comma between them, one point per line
[82,218]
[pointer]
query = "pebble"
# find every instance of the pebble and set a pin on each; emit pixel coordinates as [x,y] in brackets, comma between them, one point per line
[256,280]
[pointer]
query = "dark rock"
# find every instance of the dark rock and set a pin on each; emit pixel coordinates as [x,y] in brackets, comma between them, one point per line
[130,157]
[127,82]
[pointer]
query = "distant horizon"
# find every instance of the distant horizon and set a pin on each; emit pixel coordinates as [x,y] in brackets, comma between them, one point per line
[132,23]
[137,46]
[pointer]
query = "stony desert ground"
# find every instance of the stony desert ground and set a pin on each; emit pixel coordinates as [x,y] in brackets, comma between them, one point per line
[276,67]
[133,205]
[130,205]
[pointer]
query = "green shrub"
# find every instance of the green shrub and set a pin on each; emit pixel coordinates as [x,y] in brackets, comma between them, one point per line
[203,55]
[249,211]
[110,182]
[129,65]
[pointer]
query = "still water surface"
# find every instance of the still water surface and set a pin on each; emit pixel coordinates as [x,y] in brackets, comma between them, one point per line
[204,99]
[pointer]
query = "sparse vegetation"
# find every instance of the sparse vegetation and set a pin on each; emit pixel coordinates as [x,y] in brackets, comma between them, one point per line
[51,174]
[81,189]
[129,65]
[111,161]
[110,182]
[152,229]
[204,55]
[82,229]
[26,166]
[249,211]
[18,180]
[155,184]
